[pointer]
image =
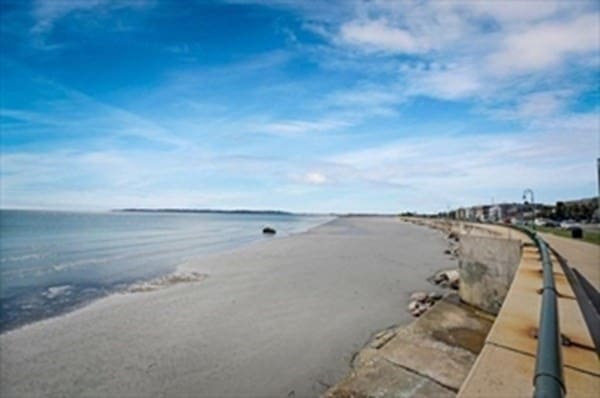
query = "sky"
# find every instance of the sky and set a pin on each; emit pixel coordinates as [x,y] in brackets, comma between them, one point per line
[310,106]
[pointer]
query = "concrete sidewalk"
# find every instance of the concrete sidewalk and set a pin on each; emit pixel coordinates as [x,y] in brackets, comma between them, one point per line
[579,254]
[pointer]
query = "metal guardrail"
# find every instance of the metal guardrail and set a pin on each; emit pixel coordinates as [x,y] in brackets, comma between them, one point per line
[548,379]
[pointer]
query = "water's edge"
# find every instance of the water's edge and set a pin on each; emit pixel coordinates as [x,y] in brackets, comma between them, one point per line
[60,293]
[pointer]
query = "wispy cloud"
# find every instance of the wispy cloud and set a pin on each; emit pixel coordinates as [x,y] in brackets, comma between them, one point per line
[478,47]
[315,178]
[472,167]
[378,35]
[528,49]
[70,112]
[48,12]
[300,127]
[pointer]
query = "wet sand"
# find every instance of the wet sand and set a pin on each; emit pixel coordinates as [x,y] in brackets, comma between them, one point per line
[276,319]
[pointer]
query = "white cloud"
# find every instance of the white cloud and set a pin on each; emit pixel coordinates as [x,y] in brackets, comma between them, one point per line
[48,12]
[315,178]
[365,96]
[465,166]
[510,12]
[546,45]
[541,104]
[299,127]
[451,83]
[533,107]
[72,111]
[484,46]
[102,179]
[378,35]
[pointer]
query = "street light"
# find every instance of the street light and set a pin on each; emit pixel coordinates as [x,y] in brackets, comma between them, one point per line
[530,192]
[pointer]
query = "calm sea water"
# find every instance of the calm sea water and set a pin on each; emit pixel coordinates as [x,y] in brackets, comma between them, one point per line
[54,262]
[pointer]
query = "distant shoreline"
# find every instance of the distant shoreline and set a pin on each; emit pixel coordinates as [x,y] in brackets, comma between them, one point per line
[245,211]
[205,211]
[215,211]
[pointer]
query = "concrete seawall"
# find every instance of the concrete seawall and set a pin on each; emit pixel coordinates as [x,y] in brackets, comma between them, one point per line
[487,266]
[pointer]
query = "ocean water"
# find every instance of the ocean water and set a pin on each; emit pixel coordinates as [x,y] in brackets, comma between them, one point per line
[54,262]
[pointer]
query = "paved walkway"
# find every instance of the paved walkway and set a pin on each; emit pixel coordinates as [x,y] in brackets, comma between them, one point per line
[579,254]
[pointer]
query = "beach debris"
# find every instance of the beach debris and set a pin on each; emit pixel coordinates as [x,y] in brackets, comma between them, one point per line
[269,231]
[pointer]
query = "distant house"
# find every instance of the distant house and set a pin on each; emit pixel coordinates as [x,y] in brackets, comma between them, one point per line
[513,212]
[496,213]
[481,213]
[470,214]
[503,212]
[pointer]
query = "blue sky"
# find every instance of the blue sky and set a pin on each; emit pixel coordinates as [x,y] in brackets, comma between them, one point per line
[297,105]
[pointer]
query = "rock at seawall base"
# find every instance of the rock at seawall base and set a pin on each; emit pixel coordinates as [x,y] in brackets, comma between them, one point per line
[449,278]
[419,296]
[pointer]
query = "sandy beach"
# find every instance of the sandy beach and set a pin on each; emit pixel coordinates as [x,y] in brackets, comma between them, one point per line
[280,318]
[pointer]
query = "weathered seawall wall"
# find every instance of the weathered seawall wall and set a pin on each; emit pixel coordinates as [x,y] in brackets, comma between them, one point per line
[487,266]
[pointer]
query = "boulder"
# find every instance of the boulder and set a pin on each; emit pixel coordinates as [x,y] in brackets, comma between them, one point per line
[455,284]
[434,296]
[449,278]
[419,310]
[419,297]
[453,236]
[440,277]
[413,306]
[453,276]
[269,231]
